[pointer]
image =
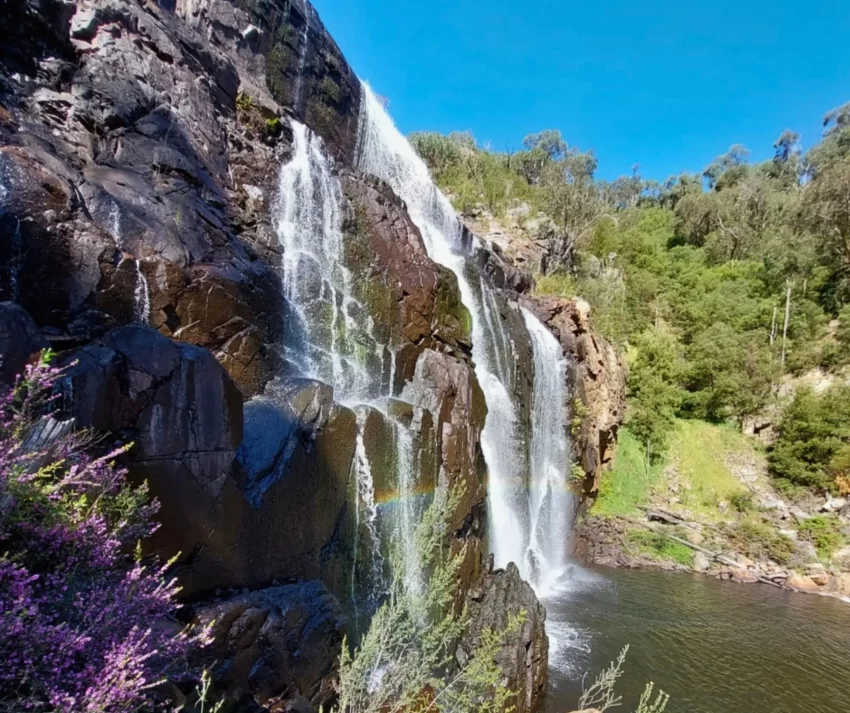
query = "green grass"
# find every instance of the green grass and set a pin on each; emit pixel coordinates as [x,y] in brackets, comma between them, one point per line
[824,532]
[698,450]
[656,546]
[629,483]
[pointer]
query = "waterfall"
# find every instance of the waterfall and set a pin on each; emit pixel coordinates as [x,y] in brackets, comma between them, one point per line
[385,153]
[409,513]
[330,336]
[141,296]
[550,502]
[366,514]
[328,331]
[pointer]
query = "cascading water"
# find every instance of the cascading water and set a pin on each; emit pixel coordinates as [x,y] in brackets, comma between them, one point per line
[329,333]
[550,502]
[385,153]
[330,337]
[141,296]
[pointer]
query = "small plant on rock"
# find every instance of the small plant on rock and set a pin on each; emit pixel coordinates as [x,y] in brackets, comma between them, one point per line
[406,661]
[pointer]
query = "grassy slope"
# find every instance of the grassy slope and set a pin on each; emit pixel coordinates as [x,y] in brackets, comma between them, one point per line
[695,466]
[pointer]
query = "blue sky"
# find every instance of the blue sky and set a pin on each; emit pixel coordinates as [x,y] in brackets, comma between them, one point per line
[667,84]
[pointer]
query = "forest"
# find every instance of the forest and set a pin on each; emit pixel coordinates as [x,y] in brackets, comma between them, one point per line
[729,289]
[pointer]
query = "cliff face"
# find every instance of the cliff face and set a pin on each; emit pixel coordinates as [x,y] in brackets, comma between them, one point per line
[140,153]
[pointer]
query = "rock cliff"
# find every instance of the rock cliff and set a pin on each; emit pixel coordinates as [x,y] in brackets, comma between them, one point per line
[140,150]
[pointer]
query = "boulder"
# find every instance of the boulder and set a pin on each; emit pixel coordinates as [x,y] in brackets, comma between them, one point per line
[277,643]
[21,341]
[173,401]
[833,505]
[701,562]
[802,584]
[497,598]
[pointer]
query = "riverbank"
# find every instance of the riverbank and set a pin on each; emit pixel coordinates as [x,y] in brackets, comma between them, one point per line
[709,508]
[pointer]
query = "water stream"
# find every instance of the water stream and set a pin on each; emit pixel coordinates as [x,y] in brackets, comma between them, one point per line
[551,507]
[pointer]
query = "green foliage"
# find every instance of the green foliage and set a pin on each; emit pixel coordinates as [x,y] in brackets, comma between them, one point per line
[653,388]
[759,541]
[406,661]
[657,546]
[824,532]
[244,102]
[705,259]
[742,501]
[628,484]
[812,439]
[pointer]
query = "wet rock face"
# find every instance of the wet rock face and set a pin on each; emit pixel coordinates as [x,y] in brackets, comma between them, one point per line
[415,302]
[20,342]
[140,145]
[494,602]
[276,644]
[598,380]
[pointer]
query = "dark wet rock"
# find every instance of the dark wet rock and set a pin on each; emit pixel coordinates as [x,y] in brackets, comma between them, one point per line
[415,302]
[21,341]
[173,401]
[279,644]
[495,602]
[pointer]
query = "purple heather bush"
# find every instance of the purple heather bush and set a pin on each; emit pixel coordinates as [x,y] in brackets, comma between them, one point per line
[84,624]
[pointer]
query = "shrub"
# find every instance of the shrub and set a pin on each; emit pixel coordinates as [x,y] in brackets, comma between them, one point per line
[759,541]
[824,532]
[406,660]
[657,546]
[742,501]
[600,695]
[83,626]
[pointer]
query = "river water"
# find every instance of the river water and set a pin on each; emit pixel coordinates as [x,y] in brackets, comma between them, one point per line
[715,647]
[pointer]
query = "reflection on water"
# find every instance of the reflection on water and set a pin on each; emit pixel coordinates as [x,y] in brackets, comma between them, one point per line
[715,647]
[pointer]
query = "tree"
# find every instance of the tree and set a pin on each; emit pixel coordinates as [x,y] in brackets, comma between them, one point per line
[730,373]
[812,438]
[549,141]
[653,388]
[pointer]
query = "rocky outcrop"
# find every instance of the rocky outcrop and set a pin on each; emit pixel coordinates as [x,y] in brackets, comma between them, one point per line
[277,644]
[20,342]
[139,143]
[502,602]
[598,381]
[173,401]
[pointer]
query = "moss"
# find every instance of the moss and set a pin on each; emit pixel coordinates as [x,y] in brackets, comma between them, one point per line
[273,126]
[331,90]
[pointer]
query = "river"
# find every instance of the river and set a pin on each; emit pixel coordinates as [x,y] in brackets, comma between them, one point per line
[715,647]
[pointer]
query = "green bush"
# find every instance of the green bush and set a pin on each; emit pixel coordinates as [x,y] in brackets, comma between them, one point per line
[824,532]
[657,546]
[742,501]
[759,541]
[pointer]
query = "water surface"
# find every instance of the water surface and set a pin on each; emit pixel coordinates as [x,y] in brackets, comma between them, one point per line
[715,647]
